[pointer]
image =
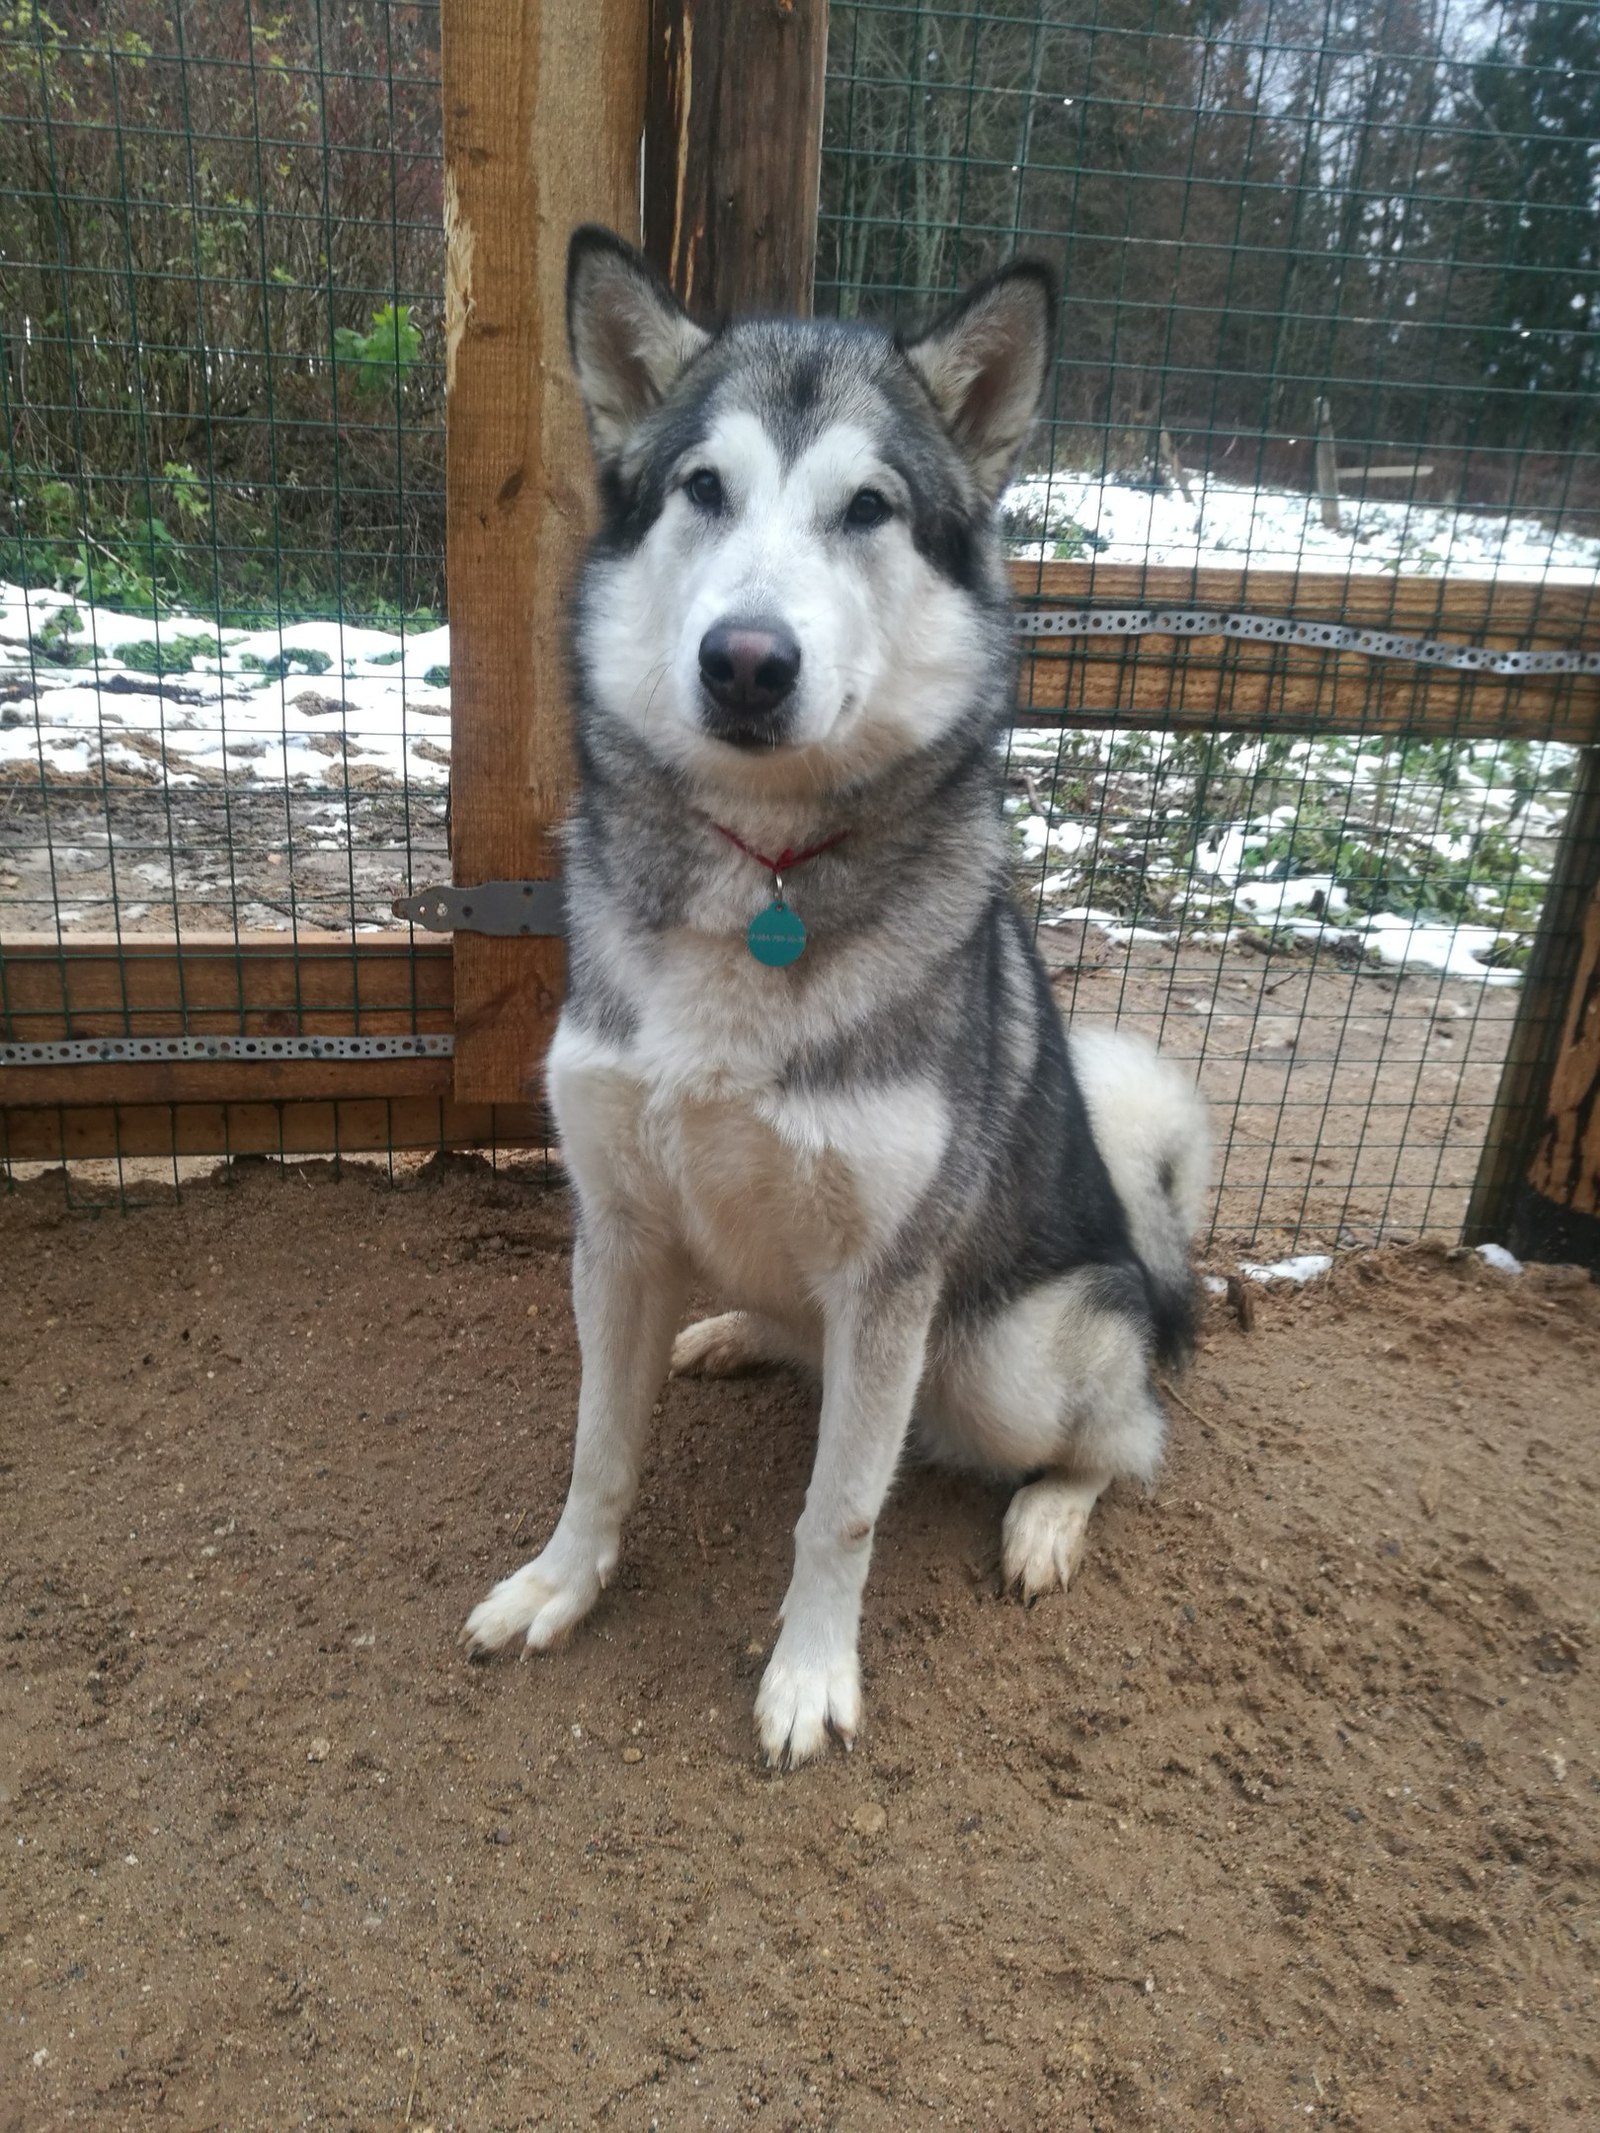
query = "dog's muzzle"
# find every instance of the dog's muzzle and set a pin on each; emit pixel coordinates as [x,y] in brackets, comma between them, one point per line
[748,670]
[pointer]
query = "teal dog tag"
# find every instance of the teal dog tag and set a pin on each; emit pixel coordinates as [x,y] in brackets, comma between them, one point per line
[776,936]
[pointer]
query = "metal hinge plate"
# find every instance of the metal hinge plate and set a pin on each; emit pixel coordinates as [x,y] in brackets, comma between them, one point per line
[117,1051]
[503,907]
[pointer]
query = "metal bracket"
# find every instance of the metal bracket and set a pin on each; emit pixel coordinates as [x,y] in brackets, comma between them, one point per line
[109,1051]
[1037,622]
[504,907]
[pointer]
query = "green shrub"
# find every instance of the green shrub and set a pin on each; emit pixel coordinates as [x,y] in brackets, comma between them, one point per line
[171,655]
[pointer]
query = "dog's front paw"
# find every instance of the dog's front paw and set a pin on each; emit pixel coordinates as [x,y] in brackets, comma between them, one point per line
[540,1602]
[803,1698]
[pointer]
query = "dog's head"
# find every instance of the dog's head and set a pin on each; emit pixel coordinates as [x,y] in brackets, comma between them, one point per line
[797,579]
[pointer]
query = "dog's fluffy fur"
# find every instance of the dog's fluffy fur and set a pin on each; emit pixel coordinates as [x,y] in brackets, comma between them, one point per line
[890,1158]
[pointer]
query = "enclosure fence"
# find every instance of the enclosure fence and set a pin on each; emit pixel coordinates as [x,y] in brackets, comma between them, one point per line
[1326,411]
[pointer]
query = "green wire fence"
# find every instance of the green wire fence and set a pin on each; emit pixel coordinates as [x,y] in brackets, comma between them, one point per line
[1332,306]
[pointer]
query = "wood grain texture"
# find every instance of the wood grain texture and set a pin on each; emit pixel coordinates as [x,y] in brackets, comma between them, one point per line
[1566,1156]
[1544,617]
[178,1081]
[351,1125]
[1210,685]
[372,985]
[1205,683]
[543,116]
[733,151]
[1550,1013]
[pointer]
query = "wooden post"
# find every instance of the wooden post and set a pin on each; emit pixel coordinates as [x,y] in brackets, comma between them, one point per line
[1538,1185]
[1327,460]
[543,115]
[1172,466]
[1559,1215]
[733,151]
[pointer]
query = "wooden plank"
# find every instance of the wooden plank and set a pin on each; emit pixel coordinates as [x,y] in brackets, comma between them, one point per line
[178,1081]
[267,985]
[1203,683]
[1189,685]
[353,1126]
[543,117]
[1566,1157]
[1533,617]
[1544,1011]
[733,152]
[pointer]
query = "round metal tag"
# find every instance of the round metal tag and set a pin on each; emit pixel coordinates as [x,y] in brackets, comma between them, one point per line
[776,937]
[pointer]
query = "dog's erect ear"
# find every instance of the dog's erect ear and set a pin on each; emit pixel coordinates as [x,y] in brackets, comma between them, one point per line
[630,336]
[986,362]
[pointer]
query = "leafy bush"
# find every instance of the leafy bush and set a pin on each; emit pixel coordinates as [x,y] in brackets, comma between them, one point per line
[271,438]
[293,657]
[377,360]
[169,655]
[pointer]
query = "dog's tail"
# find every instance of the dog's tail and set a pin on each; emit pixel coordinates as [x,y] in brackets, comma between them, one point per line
[1152,1129]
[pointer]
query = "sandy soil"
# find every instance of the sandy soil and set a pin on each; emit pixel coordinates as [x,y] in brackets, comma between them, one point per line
[1284,1816]
[92,859]
[1350,1104]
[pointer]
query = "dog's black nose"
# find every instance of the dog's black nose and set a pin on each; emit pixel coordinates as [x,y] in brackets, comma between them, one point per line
[748,669]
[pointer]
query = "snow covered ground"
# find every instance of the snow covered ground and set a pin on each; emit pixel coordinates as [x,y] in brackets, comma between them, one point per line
[1430,856]
[1077,516]
[181,704]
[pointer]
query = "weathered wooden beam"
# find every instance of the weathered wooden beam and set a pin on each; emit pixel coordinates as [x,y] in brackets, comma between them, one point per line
[1189,683]
[346,1126]
[543,117]
[1541,1157]
[1564,1175]
[259,985]
[1526,617]
[1558,1211]
[733,151]
[1195,686]
[179,1081]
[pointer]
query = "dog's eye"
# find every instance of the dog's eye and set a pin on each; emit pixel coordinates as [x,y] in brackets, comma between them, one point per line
[867,508]
[704,490]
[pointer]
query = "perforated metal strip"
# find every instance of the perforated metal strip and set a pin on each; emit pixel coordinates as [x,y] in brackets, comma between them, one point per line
[1042,622]
[99,1051]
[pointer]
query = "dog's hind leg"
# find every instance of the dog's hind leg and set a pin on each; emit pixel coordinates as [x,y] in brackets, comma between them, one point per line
[628,1289]
[1058,1387]
[738,1341]
[1045,1529]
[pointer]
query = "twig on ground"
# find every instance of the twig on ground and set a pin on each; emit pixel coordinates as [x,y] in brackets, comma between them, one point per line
[1173,1393]
[416,2072]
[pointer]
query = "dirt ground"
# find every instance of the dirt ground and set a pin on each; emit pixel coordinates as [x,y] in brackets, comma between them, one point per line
[93,859]
[1285,1816]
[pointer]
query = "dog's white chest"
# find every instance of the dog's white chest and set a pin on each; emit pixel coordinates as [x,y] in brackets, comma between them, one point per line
[771,1190]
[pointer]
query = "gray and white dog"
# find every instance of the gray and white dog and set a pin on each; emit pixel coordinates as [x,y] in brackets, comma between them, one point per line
[793,658]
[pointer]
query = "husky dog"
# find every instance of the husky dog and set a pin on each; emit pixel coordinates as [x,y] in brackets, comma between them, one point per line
[793,656]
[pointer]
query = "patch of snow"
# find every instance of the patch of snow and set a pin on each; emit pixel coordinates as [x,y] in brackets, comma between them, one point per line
[1412,944]
[1277,899]
[1306,1266]
[1281,529]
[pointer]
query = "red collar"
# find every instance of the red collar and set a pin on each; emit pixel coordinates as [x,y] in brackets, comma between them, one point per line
[787,859]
